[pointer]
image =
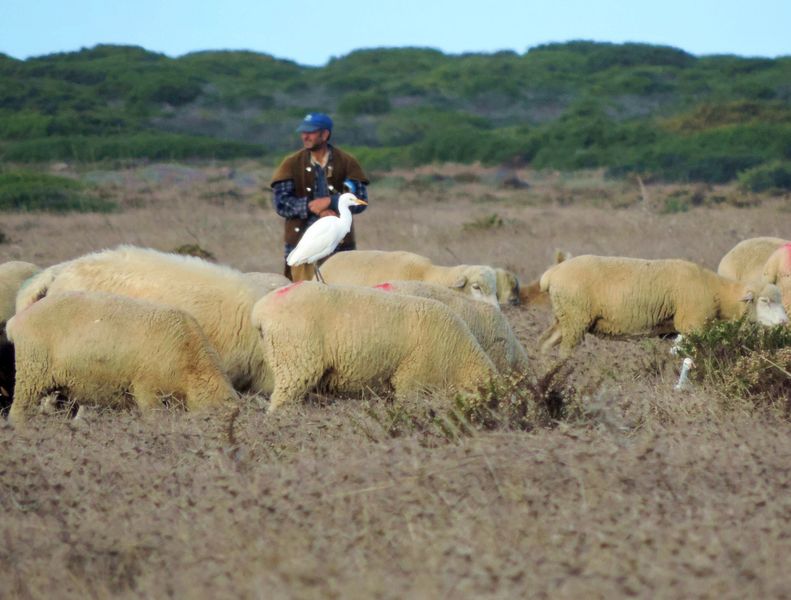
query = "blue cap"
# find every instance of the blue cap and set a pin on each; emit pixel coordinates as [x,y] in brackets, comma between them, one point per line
[314,122]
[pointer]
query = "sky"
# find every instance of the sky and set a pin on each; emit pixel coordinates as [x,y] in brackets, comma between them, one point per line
[311,32]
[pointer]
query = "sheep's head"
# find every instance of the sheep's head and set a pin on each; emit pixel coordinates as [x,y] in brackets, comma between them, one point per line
[478,281]
[507,287]
[766,306]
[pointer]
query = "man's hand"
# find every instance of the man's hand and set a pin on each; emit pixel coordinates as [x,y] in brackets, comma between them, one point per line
[319,204]
[328,212]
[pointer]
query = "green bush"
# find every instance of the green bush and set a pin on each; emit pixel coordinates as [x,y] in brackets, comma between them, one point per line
[743,360]
[372,102]
[28,191]
[154,146]
[773,176]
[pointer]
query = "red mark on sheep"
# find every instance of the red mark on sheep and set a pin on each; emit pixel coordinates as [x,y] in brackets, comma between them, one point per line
[286,289]
[787,248]
[385,287]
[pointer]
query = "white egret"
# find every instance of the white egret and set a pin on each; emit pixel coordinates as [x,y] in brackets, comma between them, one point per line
[321,238]
[683,378]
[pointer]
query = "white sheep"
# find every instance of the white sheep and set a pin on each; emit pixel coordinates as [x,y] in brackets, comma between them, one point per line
[219,297]
[507,287]
[349,339]
[777,270]
[486,322]
[746,260]
[628,296]
[370,267]
[99,348]
[12,275]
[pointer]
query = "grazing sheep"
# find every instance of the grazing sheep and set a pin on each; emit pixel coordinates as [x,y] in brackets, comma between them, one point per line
[777,270]
[507,287]
[369,267]
[486,322]
[100,348]
[12,275]
[220,299]
[629,296]
[746,260]
[349,339]
[531,294]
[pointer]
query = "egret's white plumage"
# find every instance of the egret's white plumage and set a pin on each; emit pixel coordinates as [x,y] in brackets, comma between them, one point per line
[683,378]
[321,238]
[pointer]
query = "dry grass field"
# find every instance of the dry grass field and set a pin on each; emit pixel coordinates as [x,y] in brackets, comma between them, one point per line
[639,491]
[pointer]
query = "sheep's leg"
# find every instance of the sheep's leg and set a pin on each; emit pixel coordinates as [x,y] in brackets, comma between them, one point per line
[212,393]
[31,386]
[147,400]
[405,384]
[288,393]
[550,338]
[27,401]
[570,338]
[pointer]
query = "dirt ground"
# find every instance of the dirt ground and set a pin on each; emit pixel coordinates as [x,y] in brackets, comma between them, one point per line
[646,492]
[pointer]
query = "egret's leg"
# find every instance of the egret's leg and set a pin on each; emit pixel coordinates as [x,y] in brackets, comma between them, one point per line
[318,274]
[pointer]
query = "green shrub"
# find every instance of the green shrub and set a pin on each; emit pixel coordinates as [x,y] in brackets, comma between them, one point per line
[28,191]
[774,176]
[372,102]
[154,146]
[743,360]
[524,402]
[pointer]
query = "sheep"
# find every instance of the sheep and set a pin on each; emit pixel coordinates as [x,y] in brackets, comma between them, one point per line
[777,270]
[219,297]
[746,260]
[349,339]
[486,322]
[507,287]
[369,267]
[12,276]
[100,348]
[629,296]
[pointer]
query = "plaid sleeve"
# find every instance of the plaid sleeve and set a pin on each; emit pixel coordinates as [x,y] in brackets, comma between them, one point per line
[361,193]
[286,202]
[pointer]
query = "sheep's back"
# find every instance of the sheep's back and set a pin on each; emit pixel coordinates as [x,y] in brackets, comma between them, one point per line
[746,260]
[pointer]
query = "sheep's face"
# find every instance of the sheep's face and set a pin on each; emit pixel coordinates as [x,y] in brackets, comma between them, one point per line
[480,282]
[507,287]
[768,306]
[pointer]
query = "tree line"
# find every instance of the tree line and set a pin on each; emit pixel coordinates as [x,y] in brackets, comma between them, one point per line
[629,108]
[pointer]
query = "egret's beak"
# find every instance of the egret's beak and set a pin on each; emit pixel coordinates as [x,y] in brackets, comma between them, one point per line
[358,201]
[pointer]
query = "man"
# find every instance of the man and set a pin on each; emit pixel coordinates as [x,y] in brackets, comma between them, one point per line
[307,185]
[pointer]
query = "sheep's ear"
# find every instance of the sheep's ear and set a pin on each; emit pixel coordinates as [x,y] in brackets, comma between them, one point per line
[460,282]
[748,297]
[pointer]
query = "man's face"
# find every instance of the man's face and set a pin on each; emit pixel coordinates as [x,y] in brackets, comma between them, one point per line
[313,140]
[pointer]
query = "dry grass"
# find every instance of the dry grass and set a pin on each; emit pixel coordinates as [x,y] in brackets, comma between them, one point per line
[639,491]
